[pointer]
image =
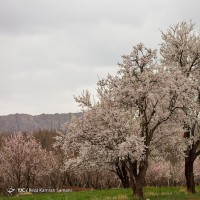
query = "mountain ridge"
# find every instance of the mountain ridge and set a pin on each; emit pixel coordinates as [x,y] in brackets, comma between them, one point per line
[29,123]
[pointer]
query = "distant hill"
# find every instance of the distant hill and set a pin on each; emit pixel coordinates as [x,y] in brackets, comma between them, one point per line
[29,123]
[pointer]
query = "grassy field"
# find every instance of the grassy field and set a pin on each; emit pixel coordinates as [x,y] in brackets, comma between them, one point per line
[151,193]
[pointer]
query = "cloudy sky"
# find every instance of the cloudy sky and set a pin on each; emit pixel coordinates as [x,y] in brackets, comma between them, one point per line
[51,50]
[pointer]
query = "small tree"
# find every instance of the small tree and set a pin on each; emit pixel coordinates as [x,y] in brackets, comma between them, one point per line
[22,160]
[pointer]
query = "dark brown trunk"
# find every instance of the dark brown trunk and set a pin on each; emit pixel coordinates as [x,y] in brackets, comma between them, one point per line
[132,184]
[191,155]
[28,181]
[123,174]
[189,174]
[139,188]
[137,178]
[18,175]
[140,179]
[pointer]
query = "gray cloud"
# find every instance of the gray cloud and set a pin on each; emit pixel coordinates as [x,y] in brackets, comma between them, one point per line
[51,50]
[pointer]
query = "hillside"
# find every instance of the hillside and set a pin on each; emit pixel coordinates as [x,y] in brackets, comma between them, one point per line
[29,123]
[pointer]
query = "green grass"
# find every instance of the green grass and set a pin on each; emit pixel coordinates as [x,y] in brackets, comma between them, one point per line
[151,193]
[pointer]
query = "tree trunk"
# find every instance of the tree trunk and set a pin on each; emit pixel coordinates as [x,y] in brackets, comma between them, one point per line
[189,174]
[137,178]
[139,188]
[122,174]
[191,155]
[140,179]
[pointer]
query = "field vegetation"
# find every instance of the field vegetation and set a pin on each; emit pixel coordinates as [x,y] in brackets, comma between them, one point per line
[151,193]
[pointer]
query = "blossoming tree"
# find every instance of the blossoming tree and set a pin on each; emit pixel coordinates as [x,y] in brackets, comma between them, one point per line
[134,111]
[23,161]
[181,49]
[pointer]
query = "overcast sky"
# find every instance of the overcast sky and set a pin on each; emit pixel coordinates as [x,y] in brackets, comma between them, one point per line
[51,50]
